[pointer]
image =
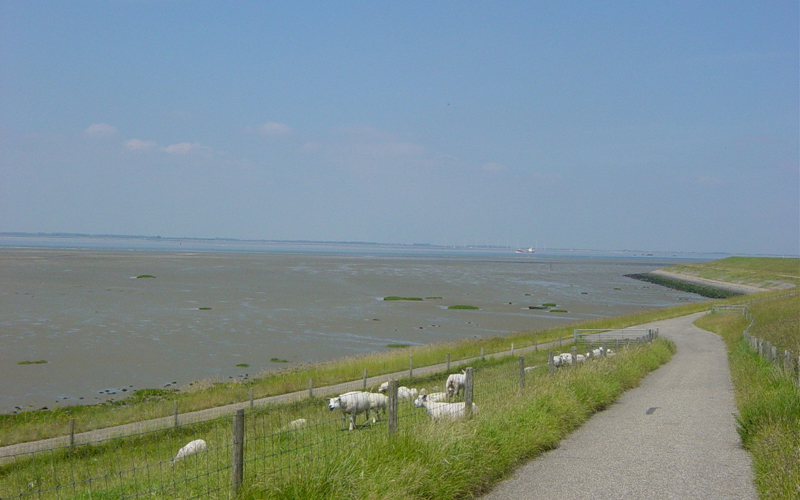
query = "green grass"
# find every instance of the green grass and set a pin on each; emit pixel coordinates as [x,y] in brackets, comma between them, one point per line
[397,346]
[242,365]
[461,306]
[764,272]
[767,399]
[422,460]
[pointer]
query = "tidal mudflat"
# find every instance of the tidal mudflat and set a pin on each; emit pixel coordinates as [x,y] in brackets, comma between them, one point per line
[83,326]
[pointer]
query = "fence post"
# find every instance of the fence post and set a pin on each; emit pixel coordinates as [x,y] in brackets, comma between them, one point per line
[410,367]
[310,389]
[481,353]
[468,385]
[550,364]
[391,411]
[787,361]
[71,432]
[559,340]
[237,463]
[536,345]
[574,351]
[448,361]
[521,374]
[365,380]
[575,336]
[175,411]
[251,398]
[512,348]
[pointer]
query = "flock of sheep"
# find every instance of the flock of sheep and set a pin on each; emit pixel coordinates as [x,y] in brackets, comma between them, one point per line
[438,405]
[566,358]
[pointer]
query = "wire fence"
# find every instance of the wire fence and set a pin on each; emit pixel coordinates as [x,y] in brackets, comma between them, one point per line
[788,361]
[258,445]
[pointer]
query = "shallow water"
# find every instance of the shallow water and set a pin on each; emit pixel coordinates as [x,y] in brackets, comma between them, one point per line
[104,332]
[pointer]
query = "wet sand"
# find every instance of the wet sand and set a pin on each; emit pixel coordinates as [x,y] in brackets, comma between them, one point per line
[104,333]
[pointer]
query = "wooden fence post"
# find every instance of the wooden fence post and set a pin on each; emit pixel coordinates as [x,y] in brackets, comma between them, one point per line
[468,385]
[448,362]
[365,380]
[574,351]
[521,374]
[550,363]
[536,345]
[481,353]
[391,411]
[512,348]
[237,460]
[310,389]
[175,411]
[410,367]
[251,398]
[71,432]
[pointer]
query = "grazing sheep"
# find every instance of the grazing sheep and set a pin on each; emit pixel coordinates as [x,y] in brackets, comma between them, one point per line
[294,425]
[402,391]
[599,352]
[192,448]
[352,403]
[406,393]
[440,410]
[566,358]
[437,396]
[455,384]
[610,353]
[580,358]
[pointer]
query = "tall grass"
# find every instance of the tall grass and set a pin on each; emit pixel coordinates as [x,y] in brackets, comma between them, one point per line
[766,272]
[768,399]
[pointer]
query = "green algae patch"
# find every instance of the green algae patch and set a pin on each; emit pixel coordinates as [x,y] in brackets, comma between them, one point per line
[394,297]
[37,362]
[144,276]
[464,307]
[397,346]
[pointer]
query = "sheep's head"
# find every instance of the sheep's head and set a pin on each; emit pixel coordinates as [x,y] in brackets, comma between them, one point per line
[334,403]
[421,399]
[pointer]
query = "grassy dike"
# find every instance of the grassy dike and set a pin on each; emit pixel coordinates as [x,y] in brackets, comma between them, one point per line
[462,460]
[768,400]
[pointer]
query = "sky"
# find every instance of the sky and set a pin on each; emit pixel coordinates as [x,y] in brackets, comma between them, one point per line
[665,126]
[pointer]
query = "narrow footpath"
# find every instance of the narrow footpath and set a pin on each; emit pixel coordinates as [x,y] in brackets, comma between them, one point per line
[673,437]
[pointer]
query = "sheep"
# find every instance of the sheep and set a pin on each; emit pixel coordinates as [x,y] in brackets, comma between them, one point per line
[192,448]
[402,391]
[377,402]
[440,410]
[599,352]
[610,353]
[352,403]
[294,425]
[580,358]
[406,393]
[437,396]
[455,384]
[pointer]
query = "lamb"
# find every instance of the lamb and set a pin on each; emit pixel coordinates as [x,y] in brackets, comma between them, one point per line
[294,425]
[440,410]
[437,396]
[352,403]
[600,351]
[192,448]
[455,384]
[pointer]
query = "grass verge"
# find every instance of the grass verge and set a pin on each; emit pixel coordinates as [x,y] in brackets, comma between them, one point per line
[767,399]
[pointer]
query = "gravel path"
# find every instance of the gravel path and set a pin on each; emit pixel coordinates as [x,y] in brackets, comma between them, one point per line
[674,437]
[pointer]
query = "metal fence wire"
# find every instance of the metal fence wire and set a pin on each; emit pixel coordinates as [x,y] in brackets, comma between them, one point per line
[256,444]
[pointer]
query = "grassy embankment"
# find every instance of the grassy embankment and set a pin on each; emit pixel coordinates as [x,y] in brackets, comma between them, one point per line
[768,273]
[422,460]
[768,400]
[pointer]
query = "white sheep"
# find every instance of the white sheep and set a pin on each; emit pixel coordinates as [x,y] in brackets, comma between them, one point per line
[402,391]
[192,448]
[352,404]
[406,393]
[377,402]
[440,410]
[437,396]
[455,384]
[599,352]
[610,353]
[294,425]
[580,358]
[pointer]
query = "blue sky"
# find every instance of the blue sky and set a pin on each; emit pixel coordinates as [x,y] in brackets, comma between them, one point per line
[600,125]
